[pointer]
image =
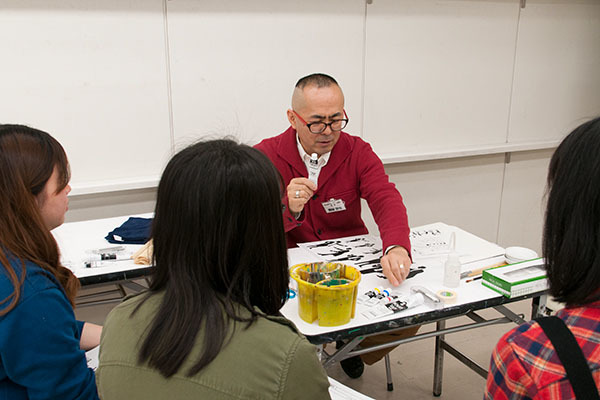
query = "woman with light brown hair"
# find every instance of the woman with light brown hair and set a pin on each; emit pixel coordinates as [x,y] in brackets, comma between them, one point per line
[41,344]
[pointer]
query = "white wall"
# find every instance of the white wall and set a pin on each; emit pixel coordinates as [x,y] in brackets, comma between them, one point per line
[105,205]
[483,195]
[123,83]
[501,202]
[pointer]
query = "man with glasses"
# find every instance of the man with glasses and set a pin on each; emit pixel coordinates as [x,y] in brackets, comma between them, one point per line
[326,172]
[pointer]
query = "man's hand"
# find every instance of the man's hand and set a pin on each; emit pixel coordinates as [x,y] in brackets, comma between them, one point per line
[299,191]
[396,265]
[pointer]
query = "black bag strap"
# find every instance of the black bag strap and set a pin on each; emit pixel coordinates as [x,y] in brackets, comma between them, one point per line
[571,356]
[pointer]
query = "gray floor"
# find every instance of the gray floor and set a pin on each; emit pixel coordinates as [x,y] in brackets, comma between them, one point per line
[412,363]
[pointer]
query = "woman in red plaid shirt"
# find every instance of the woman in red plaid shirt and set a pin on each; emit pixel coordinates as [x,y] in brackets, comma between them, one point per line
[524,363]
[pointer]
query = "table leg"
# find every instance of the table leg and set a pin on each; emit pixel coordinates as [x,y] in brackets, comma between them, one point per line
[388,373]
[438,367]
[538,306]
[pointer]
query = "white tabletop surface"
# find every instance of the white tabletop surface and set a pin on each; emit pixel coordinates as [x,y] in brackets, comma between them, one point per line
[77,239]
[431,278]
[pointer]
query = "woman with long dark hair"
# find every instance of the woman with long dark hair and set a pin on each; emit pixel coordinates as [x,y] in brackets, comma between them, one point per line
[526,362]
[41,344]
[209,325]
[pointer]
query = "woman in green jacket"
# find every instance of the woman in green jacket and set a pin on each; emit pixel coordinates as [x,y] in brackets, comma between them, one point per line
[209,325]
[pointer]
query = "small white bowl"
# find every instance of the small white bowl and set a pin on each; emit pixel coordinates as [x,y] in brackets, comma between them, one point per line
[517,254]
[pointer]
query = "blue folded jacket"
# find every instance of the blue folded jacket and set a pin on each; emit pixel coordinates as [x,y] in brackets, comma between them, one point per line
[133,231]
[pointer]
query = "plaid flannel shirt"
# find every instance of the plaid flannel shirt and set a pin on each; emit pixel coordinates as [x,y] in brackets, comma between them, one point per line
[524,364]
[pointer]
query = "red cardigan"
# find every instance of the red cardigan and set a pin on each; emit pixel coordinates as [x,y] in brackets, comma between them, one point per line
[353,171]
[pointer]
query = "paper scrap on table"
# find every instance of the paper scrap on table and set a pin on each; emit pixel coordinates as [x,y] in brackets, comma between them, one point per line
[337,391]
[144,255]
[92,357]
[429,242]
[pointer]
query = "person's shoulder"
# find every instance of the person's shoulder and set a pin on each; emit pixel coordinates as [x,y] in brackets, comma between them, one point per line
[352,139]
[531,340]
[278,339]
[356,150]
[277,328]
[525,338]
[354,144]
[39,277]
[584,321]
[529,344]
[284,349]
[529,331]
[144,304]
[267,143]
[125,325]
[6,285]
[590,310]
[36,279]
[273,142]
[278,322]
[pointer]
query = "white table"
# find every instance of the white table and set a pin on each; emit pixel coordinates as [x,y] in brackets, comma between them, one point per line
[75,239]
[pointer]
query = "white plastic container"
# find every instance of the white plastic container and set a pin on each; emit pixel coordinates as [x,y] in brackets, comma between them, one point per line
[313,167]
[452,271]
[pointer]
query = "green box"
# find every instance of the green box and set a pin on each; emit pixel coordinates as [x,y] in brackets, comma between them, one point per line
[517,279]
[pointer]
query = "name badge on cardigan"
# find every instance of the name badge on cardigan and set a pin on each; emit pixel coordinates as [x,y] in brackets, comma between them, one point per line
[334,205]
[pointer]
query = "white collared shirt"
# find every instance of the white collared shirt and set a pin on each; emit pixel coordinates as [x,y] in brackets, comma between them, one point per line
[313,173]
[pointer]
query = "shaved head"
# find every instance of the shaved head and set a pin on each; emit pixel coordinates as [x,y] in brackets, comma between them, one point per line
[314,80]
[298,99]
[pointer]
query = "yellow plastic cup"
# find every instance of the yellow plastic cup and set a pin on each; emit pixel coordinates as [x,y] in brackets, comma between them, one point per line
[336,299]
[332,300]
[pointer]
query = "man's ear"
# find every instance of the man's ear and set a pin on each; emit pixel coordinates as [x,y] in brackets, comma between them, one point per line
[292,118]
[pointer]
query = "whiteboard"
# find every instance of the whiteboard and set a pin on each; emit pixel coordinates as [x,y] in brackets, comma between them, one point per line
[438,74]
[92,74]
[234,63]
[557,69]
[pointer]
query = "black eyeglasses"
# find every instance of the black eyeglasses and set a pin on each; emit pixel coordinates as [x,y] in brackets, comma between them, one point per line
[319,127]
